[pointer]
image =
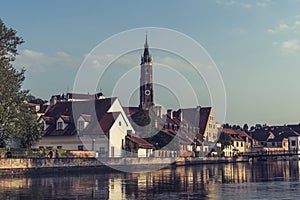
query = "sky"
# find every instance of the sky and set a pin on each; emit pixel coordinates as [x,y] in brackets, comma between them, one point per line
[255,45]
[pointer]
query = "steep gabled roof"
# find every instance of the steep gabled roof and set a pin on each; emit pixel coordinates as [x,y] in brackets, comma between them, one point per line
[261,135]
[86,117]
[281,132]
[228,131]
[295,127]
[204,116]
[130,110]
[44,108]
[76,108]
[196,117]
[141,142]
[48,120]
[68,111]
[190,115]
[68,131]
[66,119]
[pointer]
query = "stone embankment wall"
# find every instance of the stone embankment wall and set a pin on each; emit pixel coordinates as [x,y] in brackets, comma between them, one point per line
[23,165]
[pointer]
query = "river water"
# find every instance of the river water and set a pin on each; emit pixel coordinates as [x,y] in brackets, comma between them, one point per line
[260,180]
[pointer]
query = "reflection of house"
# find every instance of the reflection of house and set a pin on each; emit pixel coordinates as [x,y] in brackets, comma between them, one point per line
[99,125]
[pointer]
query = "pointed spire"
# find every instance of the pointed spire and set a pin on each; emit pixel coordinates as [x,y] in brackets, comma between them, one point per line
[146,42]
[146,56]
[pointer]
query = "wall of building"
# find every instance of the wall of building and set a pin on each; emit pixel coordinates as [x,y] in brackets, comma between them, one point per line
[142,153]
[67,142]
[211,130]
[117,136]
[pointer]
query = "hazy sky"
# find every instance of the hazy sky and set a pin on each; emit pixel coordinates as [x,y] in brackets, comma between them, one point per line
[255,45]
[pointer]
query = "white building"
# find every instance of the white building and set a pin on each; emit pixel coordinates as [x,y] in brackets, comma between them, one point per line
[294,144]
[99,125]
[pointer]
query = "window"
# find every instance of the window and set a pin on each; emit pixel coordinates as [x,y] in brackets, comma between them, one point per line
[237,144]
[242,144]
[293,143]
[120,123]
[80,147]
[59,126]
[81,125]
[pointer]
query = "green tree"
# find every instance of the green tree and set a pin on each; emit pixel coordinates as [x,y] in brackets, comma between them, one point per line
[17,119]
[225,140]
[245,127]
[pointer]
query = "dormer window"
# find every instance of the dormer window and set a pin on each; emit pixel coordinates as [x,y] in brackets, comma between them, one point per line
[59,126]
[80,125]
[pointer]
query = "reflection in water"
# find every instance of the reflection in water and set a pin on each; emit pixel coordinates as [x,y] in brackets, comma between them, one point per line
[233,181]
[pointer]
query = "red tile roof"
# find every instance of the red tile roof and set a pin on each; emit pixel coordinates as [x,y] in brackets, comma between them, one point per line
[67,119]
[68,111]
[141,142]
[103,125]
[48,120]
[130,110]
[86,117]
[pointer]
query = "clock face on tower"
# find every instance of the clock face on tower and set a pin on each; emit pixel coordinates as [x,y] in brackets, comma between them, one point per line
[147,92]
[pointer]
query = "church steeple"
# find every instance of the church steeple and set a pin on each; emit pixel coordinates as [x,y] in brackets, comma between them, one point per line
[146,85]
[146,43]
[146,56]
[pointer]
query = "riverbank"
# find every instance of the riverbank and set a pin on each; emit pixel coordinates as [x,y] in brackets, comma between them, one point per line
[44,165]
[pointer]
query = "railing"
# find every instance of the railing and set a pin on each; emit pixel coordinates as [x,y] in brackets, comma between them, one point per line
[272,153]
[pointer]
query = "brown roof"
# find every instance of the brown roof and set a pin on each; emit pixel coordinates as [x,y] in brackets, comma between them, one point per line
[196,117]
[141,142]
[190,115]
[236,135]
[69,111]
[103,125]
[204,116]
[44,108]
[130,110]
[37,101]
[229,131]
[68,131]
[236,139]
[67,119]
[48,120]
[261,135]
[86,117]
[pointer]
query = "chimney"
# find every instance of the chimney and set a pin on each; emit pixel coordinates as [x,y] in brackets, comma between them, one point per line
[170,113]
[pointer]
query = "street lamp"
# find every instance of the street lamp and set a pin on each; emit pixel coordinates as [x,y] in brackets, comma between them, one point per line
[93,144]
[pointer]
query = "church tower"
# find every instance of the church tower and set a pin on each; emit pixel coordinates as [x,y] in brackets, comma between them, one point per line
[146,85]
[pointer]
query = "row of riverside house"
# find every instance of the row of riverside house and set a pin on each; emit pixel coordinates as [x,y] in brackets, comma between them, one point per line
[95,123]
[263,139]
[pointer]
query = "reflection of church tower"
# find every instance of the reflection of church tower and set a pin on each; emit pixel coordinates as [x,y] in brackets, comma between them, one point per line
[146,85]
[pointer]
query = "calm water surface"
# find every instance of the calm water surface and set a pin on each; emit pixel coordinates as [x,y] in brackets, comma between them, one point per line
[262,180]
